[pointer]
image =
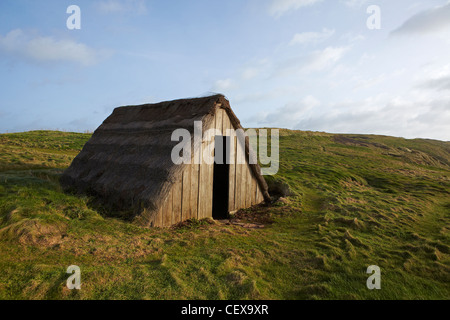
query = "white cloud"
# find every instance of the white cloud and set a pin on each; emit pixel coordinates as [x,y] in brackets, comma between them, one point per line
[440,84]
[366,58]
[354,3]
[279,7]
[316,61]
[122,6]
[320,60]
[432,78]
[311,37]
[351,37]
[431,20]
[46,49]
[410,116]
[362,83]
[288,115]
[437,117]
[250,73]
[223,85]
[254,69]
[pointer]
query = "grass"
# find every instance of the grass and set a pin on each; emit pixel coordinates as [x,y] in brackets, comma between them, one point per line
[357,200]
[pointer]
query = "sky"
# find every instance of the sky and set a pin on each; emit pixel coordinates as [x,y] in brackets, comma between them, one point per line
[298,64]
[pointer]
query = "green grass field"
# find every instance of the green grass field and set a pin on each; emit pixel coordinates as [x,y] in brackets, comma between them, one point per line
[358,200]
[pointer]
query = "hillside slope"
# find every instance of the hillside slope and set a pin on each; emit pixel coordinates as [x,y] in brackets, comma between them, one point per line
[357,200]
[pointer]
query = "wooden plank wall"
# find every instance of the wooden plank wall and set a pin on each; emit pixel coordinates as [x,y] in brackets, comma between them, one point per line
[244,190]
[191,196]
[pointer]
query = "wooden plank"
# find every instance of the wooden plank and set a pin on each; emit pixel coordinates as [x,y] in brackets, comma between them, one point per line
[186,194]
[156,221]
[244,186]
[206,179]
[242,178]
[193,201]
[218,126]
[256,191]
[256,194]
[202,186]
[209,181]
[176,201]
[253,194]
[232,175]
[210,167]
[225,122]
[218,120]
[249,197]
[259,196]
[159,218]
[195,183]
[202,190]
[202,179]
[167,211]
[247,192]
[209,203]
[238,177]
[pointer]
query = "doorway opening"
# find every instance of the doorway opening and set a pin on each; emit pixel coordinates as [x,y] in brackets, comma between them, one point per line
[221,178]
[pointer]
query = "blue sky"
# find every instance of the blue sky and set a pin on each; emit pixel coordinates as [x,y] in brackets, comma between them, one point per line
[299,64]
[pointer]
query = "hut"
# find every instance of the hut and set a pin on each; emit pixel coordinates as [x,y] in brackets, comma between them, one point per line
[127,163]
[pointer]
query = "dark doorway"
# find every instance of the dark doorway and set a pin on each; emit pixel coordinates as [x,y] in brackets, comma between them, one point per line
[221,178]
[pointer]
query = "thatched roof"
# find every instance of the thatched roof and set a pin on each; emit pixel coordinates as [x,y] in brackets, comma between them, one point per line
[127,162]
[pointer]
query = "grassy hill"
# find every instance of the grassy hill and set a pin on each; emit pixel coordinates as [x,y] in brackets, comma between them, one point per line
[358,200]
